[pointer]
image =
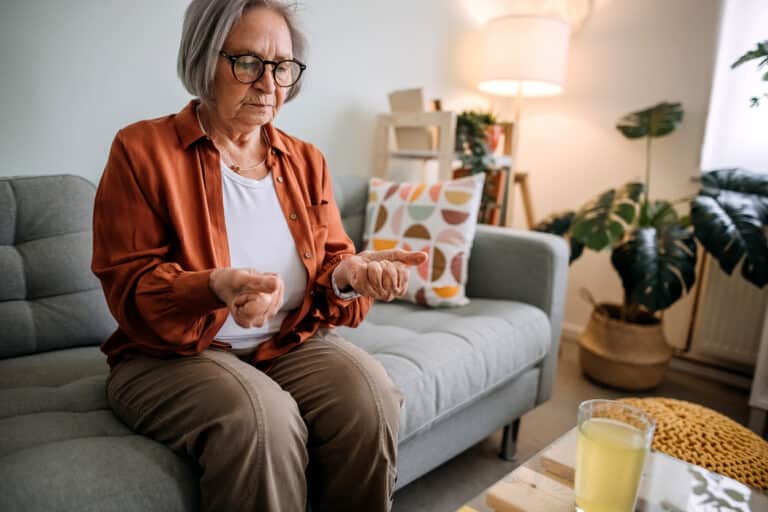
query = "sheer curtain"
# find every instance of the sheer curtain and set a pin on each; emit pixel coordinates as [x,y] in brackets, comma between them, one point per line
[737,134]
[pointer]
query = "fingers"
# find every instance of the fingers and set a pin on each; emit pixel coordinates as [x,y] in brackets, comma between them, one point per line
[383,280]
[410,258]
[277,300]
[374,272]
[260,283]
[251,307]
[250,310]
[402,280]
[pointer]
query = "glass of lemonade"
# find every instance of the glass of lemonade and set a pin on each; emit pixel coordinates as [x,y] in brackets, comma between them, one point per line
[613,440]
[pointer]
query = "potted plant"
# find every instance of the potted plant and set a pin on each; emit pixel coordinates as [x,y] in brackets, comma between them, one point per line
[476,134]
[654,251]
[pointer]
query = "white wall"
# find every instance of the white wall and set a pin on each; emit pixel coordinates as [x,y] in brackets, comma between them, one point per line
[630,55]
[60,110]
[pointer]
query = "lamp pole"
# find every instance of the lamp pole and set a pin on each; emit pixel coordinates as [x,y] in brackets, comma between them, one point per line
[510,195]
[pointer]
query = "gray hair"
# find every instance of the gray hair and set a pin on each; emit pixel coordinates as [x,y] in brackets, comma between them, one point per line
[207,24]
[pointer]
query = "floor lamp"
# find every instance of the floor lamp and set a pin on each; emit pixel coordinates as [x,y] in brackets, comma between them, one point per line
[523,56]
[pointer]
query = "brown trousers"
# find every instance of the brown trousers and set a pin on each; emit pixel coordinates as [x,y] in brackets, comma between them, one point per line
[325,416]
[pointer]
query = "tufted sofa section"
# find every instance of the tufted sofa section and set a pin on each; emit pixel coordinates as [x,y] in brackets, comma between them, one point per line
[465,372]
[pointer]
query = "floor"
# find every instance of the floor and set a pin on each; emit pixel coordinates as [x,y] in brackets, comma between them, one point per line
[454,483]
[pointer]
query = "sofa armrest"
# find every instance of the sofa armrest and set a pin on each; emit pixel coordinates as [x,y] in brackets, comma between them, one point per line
[523,266]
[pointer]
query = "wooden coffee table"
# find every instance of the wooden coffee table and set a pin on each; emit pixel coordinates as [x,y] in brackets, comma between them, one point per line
[545,484]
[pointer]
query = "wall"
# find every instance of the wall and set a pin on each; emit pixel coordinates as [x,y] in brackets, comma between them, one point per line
[76,71]
[630,55]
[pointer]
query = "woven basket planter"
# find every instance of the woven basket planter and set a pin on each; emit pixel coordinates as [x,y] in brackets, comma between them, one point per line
[623,355]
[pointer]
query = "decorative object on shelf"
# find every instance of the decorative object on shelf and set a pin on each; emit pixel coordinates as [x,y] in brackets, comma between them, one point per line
[474,133]
[473,141]
[654,250]
[760,52]
[439,219]
[410,138]
[523,56]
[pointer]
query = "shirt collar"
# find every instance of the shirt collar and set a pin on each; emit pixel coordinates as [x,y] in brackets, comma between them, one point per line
[189,130]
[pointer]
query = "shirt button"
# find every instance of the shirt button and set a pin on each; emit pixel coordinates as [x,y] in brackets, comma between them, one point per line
[292,216]
[279,179]
[307,254]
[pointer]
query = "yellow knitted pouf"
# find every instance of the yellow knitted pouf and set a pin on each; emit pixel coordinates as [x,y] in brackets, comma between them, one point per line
[708,439]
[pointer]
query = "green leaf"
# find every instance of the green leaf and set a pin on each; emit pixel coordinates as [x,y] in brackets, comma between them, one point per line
[760,51]
[656,265]
[656,121]
[662,214]
[729,218]
[560,224]
[602,222]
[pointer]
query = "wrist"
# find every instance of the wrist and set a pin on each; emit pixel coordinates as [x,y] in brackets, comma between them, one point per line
[213,282]
[340,278]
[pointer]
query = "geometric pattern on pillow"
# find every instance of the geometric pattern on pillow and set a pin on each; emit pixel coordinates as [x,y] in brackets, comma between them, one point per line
[439,219]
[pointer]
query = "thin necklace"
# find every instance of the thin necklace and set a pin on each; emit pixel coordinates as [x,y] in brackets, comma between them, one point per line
[233,165]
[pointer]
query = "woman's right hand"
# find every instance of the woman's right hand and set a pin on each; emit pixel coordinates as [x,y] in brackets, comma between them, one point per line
[252,297]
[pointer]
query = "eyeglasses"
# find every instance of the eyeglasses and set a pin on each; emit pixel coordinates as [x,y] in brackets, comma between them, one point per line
[249,68]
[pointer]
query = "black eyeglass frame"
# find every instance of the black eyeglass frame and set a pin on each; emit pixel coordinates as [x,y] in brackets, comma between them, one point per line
[233,59]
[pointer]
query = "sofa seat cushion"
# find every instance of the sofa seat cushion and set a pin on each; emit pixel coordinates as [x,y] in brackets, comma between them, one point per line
[443,360]
[54,368]
[98,474]
[62,448]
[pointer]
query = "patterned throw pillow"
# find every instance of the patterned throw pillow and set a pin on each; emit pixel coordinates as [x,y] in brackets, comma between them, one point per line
[439,219]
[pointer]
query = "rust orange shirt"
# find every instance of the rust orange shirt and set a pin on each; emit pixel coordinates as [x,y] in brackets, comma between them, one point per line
[159,231]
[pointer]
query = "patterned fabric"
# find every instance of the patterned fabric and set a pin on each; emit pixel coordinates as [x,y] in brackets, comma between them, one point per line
[439,219]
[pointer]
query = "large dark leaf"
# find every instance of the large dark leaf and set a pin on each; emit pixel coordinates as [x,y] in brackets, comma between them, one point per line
[602,222]
[656,265]
[656,121]
[559,224]
[729,218]
[658,214]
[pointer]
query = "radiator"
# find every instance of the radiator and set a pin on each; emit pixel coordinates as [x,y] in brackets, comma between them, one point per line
[729,321]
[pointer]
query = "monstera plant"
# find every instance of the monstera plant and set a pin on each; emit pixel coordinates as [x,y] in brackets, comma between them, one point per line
[653,244]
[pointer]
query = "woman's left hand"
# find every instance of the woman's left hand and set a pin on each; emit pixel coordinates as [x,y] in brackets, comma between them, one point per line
[382,275]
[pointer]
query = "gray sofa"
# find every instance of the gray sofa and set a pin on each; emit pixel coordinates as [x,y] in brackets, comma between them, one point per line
[465,372]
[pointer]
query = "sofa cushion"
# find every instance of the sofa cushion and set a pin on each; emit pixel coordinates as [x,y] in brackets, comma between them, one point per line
[49,299]
[98,474]
[439,219]
[443,360]
[54,421]
[54,368]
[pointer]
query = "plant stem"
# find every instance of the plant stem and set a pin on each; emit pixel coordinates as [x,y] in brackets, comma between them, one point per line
[647,169]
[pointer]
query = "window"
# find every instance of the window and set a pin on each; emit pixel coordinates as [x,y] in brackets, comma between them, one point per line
[736,133]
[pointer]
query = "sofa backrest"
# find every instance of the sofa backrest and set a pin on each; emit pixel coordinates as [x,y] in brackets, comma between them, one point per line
[351,194]
[49,299]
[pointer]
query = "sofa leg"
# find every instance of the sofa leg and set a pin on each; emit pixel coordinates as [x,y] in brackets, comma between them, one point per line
[509,441]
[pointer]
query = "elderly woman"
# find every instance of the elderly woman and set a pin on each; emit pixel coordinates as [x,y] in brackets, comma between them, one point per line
[223,258]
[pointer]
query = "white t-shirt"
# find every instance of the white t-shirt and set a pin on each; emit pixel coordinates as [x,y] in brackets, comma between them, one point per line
[259,238]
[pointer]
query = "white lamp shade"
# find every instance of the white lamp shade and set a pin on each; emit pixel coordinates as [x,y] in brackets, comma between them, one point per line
[528,52]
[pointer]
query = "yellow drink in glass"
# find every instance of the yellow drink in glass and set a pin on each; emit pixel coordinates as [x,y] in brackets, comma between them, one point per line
[612,442]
